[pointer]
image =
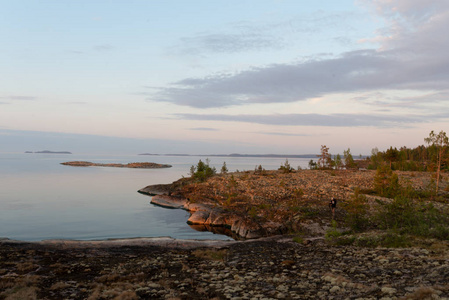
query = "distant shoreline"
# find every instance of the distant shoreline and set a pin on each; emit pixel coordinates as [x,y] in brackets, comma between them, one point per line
[142,165]
[241,155]
[49,152]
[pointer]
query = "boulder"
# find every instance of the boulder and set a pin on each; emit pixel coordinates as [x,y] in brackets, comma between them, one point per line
[156,189]
[246,229]
[198,217]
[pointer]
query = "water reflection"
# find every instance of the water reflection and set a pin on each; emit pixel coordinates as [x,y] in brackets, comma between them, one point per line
[42,199]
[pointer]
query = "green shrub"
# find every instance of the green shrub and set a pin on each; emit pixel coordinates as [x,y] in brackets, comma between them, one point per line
[404,215]
[313,165]
[286,168]
[202,171]
[332,233]
[394,240]
[346,240]
[224,169]
[357,212]
[386,183]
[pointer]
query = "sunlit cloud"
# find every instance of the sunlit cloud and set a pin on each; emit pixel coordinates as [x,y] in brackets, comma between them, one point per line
[204,129]
[414,58]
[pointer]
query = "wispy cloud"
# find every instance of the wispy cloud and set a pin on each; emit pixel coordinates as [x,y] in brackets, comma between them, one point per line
[103,48]
[228,43]
[77,103]
[20,98]
[204,129]
[283,133]
[332,120]
[247,36]
[76,52]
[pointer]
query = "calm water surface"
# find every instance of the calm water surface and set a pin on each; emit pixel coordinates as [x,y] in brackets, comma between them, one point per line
[42,199]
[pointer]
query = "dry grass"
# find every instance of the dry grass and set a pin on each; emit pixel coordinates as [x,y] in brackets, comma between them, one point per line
[422,293]
[59,286]
[20,293]
[211,254]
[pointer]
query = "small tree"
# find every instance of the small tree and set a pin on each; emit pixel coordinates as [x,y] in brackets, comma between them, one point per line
[325,159]
[224,168]
[349,160]
[357,211]
[259,170]
[338,162]
[202,171]
[286,168]
[392,155]
[312,165]
[376,159]
[386,183]
[440,141]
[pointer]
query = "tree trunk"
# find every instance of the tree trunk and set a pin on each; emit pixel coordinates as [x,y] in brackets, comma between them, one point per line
[440,153]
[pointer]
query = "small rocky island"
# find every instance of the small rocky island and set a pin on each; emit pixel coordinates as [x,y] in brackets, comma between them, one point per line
[135,165]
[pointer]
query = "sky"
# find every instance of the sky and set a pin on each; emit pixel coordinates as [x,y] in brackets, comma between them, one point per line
[222,76]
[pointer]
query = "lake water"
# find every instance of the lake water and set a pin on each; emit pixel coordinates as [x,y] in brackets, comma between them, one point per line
[42,199]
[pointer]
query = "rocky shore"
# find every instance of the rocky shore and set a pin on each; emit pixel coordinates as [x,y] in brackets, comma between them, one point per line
[254,205]
[305,266]
[271,268]
[138,165]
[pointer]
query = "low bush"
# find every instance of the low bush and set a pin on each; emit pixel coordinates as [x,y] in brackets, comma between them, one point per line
[357,212]
[404,215]
[202,171]
[286,168]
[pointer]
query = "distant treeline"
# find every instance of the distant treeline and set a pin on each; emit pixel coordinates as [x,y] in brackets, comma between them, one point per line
[421,158]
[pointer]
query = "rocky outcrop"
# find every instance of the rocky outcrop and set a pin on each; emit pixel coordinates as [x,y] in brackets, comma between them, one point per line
[254,204]
[207,215]
[168,202]
[139,165]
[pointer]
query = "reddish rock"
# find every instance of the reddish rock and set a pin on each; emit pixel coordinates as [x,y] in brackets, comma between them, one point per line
[168,202]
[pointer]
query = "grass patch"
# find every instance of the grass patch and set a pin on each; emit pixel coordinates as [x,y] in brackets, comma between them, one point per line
[390,239]
[298,239]
[211,254]
[333,233]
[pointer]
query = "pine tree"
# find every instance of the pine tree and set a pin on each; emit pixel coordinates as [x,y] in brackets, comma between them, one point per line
[325,159]
[440,141]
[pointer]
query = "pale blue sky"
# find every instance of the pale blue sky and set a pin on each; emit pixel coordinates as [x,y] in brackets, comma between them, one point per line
[259,76]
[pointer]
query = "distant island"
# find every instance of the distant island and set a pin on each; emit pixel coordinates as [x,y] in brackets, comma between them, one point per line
[50,152]
[242,155]
[136,165]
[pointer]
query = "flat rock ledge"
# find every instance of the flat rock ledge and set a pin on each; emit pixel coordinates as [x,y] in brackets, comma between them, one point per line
[212,216]
[135,165]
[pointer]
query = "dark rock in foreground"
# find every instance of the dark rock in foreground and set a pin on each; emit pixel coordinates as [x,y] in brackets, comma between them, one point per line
[141,165]
[274,268]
